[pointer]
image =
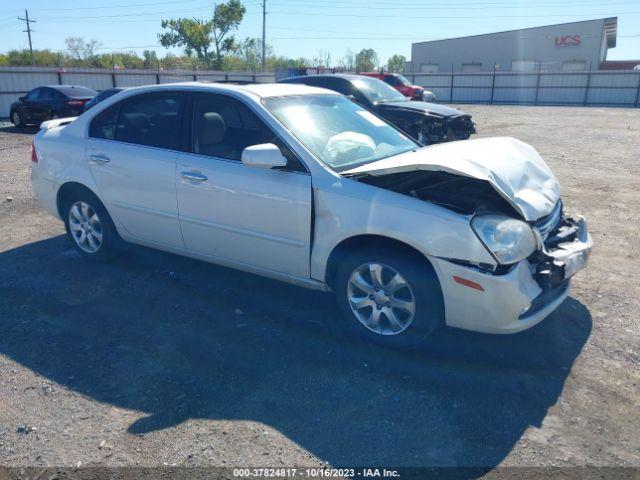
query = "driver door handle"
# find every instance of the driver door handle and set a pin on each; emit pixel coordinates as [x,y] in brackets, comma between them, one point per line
[198,177]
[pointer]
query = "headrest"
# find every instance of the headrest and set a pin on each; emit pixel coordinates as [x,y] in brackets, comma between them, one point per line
[212,128]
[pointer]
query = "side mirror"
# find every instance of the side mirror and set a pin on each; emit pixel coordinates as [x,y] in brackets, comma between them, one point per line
[22,99]
[265,155]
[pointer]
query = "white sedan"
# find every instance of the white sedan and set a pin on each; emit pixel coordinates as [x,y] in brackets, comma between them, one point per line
[303,185]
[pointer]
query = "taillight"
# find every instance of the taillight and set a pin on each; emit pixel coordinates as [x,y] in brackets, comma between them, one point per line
[75,103]
[34,154]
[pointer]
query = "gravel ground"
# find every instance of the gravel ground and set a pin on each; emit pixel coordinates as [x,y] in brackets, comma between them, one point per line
[159,360]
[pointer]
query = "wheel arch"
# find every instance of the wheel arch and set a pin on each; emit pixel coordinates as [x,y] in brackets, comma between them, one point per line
[69,188]
[370,241]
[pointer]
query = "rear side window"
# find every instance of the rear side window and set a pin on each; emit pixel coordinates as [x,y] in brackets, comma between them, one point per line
[104,124]
[151,120]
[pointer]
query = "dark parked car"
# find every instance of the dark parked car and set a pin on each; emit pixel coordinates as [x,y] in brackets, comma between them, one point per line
[50,101]
[103,95]
[426,122]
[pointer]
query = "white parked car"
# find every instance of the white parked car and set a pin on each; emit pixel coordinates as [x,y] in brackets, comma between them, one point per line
[303,185]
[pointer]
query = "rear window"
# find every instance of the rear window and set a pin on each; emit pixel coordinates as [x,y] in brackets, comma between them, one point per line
[76,92]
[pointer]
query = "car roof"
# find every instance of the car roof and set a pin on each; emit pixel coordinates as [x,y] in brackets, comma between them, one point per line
[70,89]
[346,76]
[260,90]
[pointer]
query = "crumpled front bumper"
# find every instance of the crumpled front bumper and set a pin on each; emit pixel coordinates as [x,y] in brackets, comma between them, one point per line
[519,299]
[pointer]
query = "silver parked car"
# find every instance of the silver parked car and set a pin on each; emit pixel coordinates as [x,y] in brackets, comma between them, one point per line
[302,185]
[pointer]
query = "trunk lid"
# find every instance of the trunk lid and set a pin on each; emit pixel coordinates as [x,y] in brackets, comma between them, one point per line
[513,168]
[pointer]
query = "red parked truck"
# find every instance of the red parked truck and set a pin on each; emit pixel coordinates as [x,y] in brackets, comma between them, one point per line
[404,86]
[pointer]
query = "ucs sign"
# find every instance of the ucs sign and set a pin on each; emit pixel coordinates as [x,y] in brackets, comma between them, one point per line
[567,41]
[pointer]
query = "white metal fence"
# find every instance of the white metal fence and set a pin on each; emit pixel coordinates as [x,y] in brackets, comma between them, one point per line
[602,88]
[17,81]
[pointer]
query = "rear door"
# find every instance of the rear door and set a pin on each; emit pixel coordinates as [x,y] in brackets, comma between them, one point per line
[131,152]
[30,106]
[259,218]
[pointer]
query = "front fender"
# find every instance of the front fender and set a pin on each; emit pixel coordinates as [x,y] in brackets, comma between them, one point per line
[347,208]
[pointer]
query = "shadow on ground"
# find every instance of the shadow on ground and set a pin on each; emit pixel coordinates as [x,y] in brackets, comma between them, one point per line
[28,130]
[159,333]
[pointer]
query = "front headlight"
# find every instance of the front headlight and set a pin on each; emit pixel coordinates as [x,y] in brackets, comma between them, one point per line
[508,239]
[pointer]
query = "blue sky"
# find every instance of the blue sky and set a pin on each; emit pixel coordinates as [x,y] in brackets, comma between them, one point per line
[304,27]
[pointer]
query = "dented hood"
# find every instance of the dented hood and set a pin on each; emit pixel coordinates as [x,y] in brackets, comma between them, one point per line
[513,168]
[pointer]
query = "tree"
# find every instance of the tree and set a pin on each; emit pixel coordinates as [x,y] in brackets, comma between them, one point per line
[79,49]
[348,61]
[226,18]
[396,63]
[322,59]
[150,59]
[366,60]
[191,33]
[196,35]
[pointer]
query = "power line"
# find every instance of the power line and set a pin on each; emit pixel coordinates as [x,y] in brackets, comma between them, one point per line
[28,30]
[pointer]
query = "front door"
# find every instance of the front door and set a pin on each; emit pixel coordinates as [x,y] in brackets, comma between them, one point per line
[253,217]
[132,156]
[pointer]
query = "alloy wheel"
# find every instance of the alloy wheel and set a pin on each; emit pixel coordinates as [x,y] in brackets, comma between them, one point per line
[85,227]
[381,299]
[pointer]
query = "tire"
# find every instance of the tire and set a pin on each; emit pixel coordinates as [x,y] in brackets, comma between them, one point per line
[16,119]
[373,322]
[89,227]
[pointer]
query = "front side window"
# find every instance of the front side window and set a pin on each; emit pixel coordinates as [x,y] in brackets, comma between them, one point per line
[33,94]
[339,132]
[224,127]
[152,120]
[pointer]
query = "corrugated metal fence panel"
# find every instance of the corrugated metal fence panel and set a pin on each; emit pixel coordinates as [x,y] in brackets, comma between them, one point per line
[168,78]
[545,88]
[514,95]
[510,80]
[21,83]
[97,81]
[136,80]
[6,99]
[621,88]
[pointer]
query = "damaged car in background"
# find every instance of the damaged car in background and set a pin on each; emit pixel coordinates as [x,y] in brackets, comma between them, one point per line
[426,122]
[302,185]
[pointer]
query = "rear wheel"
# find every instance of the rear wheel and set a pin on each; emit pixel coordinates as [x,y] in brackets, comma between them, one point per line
[393,299]
[89,226]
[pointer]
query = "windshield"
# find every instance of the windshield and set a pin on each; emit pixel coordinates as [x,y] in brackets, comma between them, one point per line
[377,91]
[403,80]
[338,131]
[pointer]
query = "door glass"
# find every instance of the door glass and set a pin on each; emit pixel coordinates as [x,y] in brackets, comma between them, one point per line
[151,120]
[33,94]
[223,128]
[104,124]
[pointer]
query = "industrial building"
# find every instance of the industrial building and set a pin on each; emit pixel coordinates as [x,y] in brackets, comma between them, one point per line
[575,46]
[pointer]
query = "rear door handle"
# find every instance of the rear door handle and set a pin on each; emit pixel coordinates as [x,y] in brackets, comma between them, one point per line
[198,177]
[99,159]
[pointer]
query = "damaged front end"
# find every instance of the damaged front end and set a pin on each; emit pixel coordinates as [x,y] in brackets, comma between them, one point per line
[565,246]
[437,129]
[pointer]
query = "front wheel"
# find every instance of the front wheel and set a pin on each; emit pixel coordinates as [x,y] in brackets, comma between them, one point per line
[89,226]
[393,299]
[16,119]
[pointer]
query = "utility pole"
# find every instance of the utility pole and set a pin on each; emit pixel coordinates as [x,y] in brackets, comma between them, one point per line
[28,30]
[264,20]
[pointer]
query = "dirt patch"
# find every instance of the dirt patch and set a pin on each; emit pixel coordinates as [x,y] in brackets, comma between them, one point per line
[155,359]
